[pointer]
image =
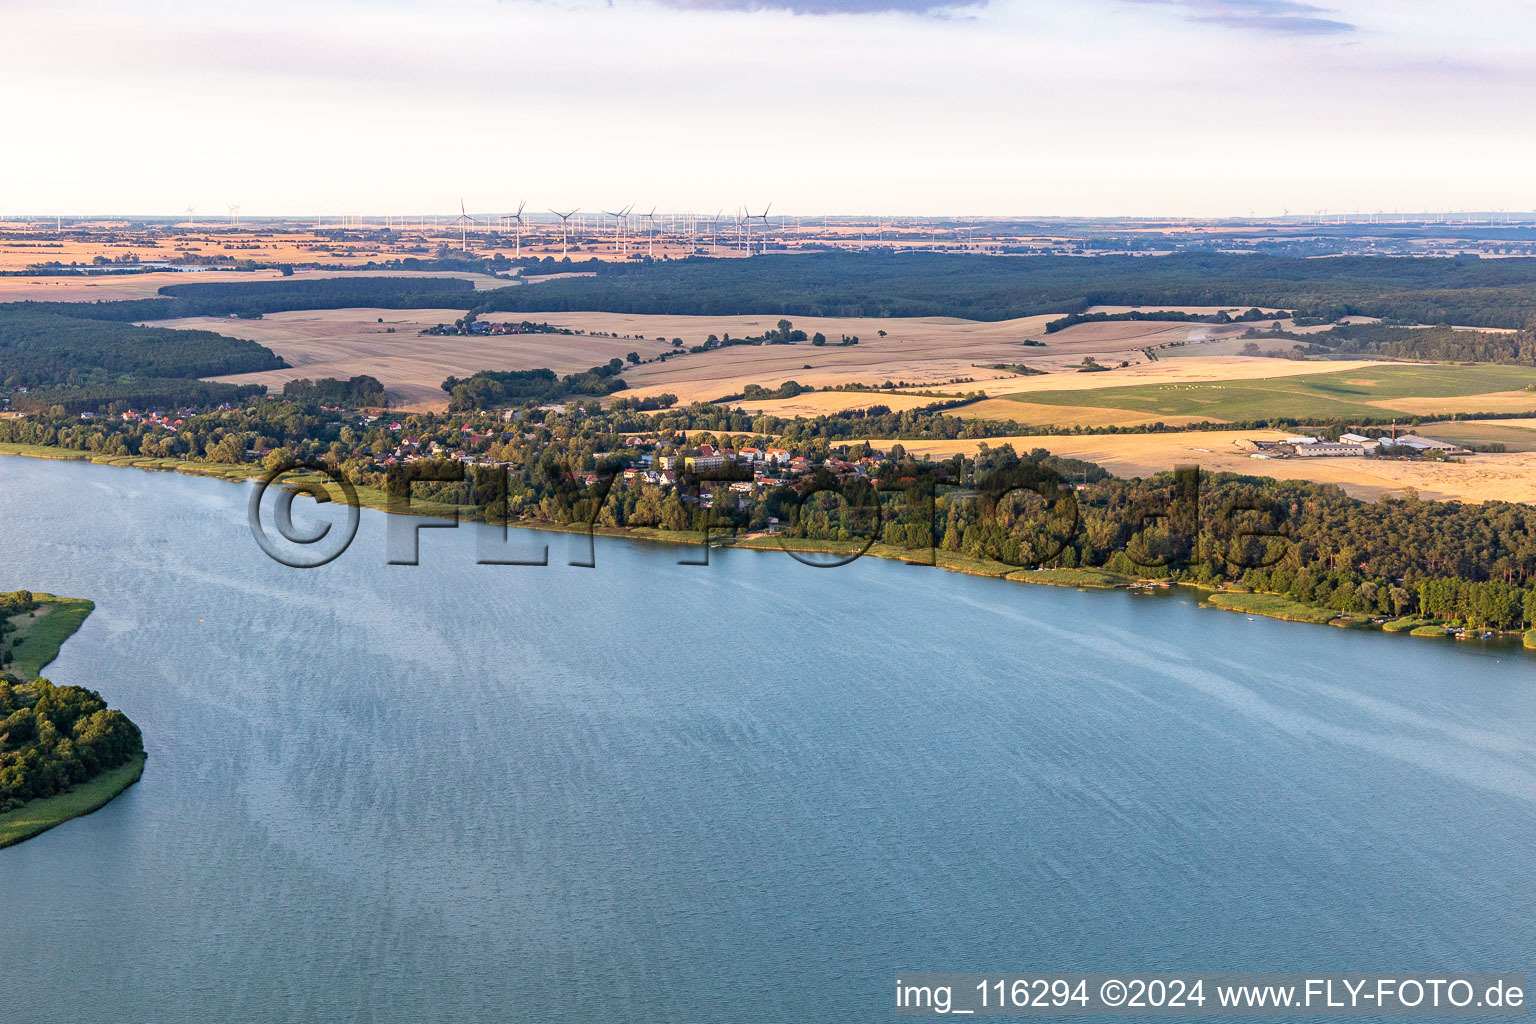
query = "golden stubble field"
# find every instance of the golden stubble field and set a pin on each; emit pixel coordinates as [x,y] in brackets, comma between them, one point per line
[1495,477]
[924,351]
[342,343]
[998,406]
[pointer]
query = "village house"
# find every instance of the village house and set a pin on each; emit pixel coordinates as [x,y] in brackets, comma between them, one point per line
[704,461]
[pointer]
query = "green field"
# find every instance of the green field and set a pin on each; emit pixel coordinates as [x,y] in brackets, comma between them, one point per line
[36,816]
[43,634]
[1093,579]
[1341,394]
[1406,624]
[1271,605]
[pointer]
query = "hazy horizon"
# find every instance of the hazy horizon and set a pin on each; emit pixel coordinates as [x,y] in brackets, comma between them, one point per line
[219,216]
[1164,108]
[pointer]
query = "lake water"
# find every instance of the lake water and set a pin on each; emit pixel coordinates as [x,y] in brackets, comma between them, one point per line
[752,791]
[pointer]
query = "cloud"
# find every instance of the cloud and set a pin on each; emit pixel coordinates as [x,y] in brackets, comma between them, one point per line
[1283,17]
[932,8]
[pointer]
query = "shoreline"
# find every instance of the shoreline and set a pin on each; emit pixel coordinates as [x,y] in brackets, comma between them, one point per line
[1271,606]
[35,817]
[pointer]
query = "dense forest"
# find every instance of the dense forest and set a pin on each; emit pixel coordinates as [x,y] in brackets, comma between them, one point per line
[40,350]
[357,392]
[84,364]
[490,389]
[136,393]
[1465,291]
[1436,344]
[1174,315]
[52,737]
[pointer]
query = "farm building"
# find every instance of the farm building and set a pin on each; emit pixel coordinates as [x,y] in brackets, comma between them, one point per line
[1328,450]
[1426,444]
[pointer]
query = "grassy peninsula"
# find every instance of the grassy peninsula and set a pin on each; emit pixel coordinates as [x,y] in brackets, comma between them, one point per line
[63,752]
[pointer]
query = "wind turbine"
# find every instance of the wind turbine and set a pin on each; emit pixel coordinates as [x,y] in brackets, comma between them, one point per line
[191,222]
[620,233]
[764,218]
[650,237]
[517,219]
[615,214]
[463,220]
[564,218]
[234,212]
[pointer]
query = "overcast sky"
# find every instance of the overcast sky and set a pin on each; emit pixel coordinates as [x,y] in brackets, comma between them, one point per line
[1176,107]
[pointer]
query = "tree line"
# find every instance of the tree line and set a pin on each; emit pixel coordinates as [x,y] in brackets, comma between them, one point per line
[362,391]
[82,364]
[491,389]
[1481,293]
[1441,344]
[54,737]
[1309,541]
[255,298]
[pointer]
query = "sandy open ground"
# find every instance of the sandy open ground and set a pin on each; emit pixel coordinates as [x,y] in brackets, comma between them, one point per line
[342,343]
[1501,477]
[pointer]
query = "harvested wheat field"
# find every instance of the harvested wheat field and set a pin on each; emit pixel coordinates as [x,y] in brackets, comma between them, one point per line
[1127,338]
[824,403]
[1502,477]
[1187,370]
[342,343]
[1493,402]
[924,351]
[920,350]
[1041,415]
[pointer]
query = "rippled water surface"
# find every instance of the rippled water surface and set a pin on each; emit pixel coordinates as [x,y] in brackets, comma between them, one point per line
[751,791]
